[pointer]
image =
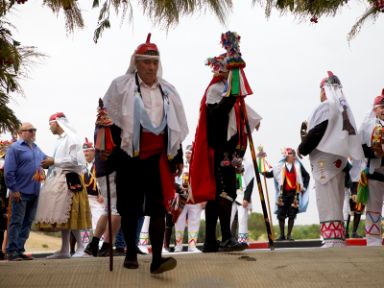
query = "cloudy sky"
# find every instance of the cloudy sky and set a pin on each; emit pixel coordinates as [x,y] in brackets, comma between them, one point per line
[286,59]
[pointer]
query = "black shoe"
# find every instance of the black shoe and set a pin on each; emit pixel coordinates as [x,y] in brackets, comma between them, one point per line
[119,252]
[231,245]
[138,251]
[164,265]
[131,263]
[211,247]
[104,250]
[92,250]
[14,256]
[281,238]
[346,236]
[26,257]
[2,255]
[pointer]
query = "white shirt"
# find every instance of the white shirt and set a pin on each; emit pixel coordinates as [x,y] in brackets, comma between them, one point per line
[153,101]
[67,154]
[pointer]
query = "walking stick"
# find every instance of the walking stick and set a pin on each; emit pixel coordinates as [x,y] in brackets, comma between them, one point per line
[104,143]
[269,207]
[269,203]
[260,188]
[109,224]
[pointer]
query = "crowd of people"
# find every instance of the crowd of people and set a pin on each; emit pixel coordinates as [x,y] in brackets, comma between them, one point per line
[155,186]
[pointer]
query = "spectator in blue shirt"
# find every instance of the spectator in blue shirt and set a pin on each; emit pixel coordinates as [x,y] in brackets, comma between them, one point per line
[23,176]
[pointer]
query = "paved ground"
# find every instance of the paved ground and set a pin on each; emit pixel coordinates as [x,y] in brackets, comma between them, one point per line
[314,267]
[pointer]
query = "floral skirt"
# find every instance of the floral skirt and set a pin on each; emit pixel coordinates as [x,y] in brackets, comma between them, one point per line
[59,208]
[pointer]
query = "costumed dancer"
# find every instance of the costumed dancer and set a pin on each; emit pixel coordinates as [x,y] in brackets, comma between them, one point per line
[63,202]
[291,182]
[149,117]
[220,143]
[190,214]
[372,141]
[330,140]
[95,199]
[242,206]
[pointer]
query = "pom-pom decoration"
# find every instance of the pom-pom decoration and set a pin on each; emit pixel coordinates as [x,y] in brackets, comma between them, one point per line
[237,84]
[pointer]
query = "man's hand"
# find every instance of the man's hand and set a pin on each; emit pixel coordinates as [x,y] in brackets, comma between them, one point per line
[245,204]
[354,198]
[49,161]
[16,196]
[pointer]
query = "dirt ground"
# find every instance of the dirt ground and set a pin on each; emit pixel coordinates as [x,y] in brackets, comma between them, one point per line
[39,242]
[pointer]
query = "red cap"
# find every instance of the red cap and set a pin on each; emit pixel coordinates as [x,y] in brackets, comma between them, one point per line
[330,74]
[147,48]
[56,116]
[379,100]
[288,151]
[88,145]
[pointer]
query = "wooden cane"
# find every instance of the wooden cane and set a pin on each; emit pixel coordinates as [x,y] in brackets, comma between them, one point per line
[256,170]
[109,224]
[269,207]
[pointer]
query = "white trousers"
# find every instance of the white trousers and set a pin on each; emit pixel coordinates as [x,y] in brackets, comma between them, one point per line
[373,213]
[192,214]
[330,199]
[242,216]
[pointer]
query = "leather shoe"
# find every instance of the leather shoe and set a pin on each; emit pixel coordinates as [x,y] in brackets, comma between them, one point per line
[165,264]
[131,263]
[138,251]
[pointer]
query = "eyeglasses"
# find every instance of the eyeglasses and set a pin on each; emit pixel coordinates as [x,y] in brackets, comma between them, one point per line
[32,130]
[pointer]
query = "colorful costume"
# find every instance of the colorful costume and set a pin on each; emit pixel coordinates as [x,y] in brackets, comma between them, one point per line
[291,182]
[190,214]
[330,140]
[371,131]
[220,144]
[63,202]
[149,127]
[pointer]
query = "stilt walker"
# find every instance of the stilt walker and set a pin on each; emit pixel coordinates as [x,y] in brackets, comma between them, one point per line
[238,86]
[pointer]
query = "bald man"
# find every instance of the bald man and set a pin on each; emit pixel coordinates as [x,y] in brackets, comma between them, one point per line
[23,176]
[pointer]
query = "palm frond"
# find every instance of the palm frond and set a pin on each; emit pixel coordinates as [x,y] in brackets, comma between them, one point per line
[371,12]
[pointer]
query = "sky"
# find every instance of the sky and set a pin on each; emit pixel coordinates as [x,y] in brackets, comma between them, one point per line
[286,59]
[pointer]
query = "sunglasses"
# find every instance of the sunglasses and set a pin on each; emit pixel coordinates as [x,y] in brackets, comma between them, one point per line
[32,130]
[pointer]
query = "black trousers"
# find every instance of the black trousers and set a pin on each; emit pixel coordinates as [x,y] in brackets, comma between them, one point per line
[286,210]
[220,208]
[139,192]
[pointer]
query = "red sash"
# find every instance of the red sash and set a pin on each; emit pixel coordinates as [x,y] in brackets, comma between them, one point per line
[151,144]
